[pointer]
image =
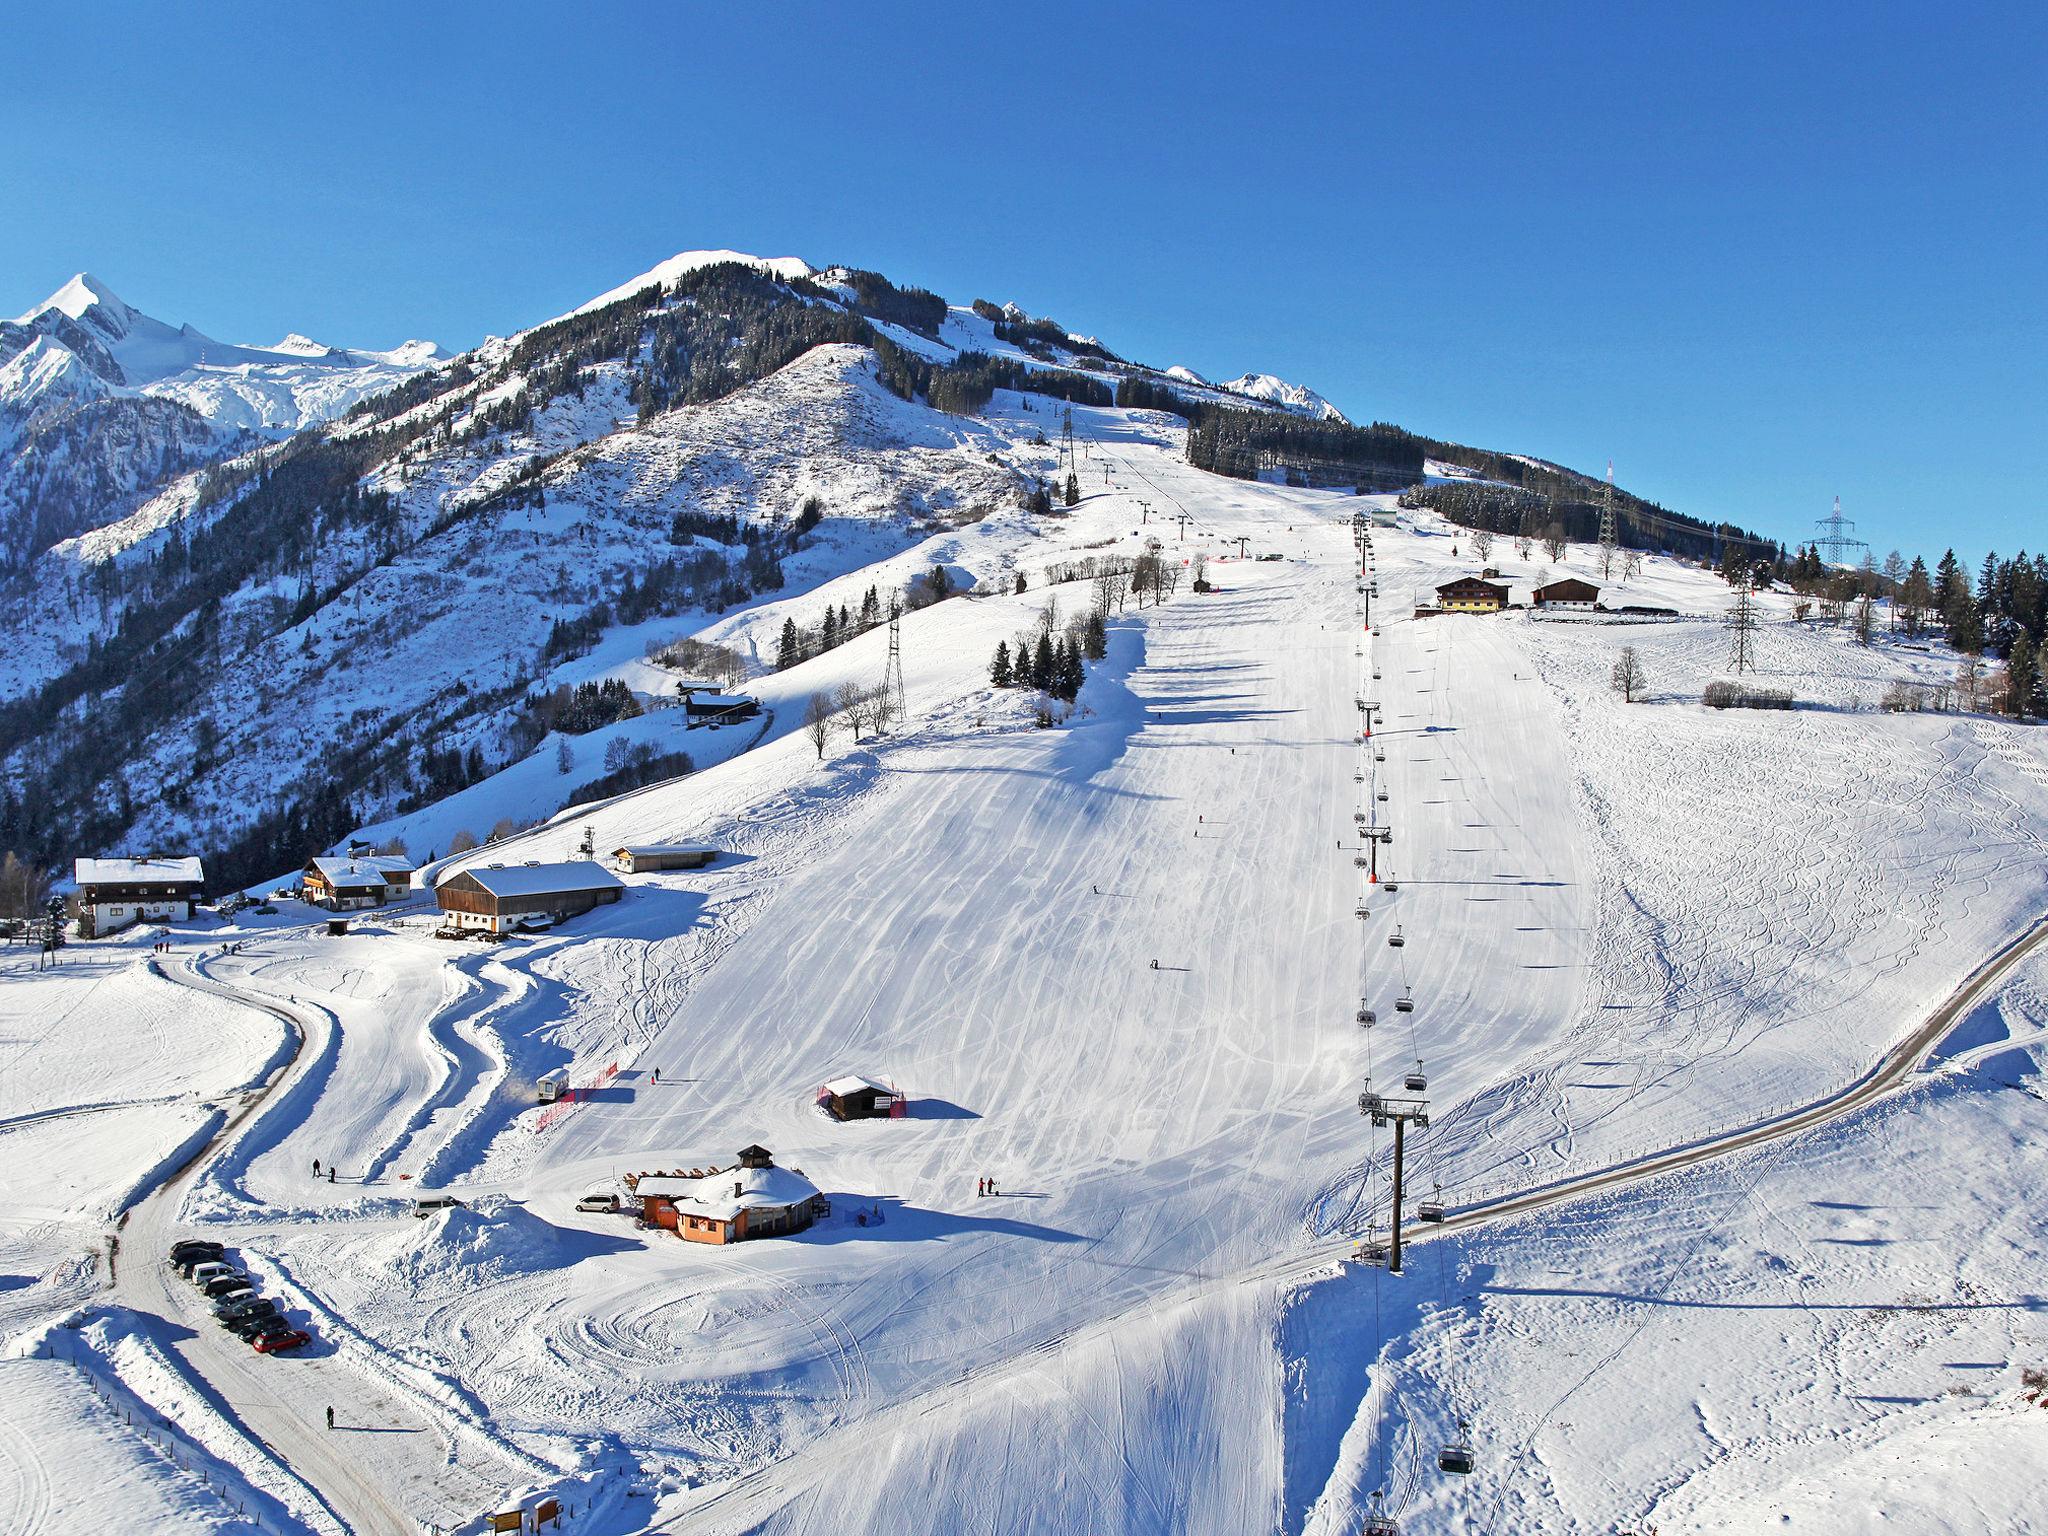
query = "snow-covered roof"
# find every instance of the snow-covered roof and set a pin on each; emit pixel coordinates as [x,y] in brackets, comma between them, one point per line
[719,700]
[722,1196]
[839,1087]
[370,870]
[138,871]
[544,879]
[653,850]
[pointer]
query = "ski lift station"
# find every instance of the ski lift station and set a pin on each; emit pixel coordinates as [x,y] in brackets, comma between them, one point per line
[753,1198]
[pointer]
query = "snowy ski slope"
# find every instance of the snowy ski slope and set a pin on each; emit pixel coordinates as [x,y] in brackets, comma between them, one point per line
[1627,926]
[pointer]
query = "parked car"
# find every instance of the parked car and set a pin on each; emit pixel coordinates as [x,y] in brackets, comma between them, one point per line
[273,1343]
[229,1308]
[196,1250]
[209,1269]
[598,1203]
[226,1285]
[426,1205]
[256,1324]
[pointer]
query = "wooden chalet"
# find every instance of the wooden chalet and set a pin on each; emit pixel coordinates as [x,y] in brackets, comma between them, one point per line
[367,881]
[861,1098]
[497,898]
[1568,592]
[643,858]
[1471,594]
[754,1198]
[112,893]
[716,708]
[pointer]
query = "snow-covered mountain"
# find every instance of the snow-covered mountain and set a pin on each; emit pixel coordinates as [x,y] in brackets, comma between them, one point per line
[101,404]
[85,341]
[1289,397]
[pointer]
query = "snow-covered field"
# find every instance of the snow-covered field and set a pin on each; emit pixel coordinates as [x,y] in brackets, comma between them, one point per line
[1625,926]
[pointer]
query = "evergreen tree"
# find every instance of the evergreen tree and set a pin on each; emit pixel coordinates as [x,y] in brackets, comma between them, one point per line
[1073,489]
[1041,662]
[789,648]
[2022,680]
[999,670]
[870,610]
[1095,638]
[1018,588]
[940,583]
[1067,672]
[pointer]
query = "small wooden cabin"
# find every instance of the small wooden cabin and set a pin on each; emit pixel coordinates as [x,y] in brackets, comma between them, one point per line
[719,707]
[754,1198]
[1568,592]
[861,1098]
[1472,594]
[640,859]
[498,897]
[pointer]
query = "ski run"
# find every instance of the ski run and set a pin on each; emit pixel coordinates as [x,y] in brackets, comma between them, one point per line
[1116,966]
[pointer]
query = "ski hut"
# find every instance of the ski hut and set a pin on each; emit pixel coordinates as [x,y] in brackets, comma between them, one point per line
[861,1098]
[1569,592]
[1471,594]
[112,893]
[496,898]
[642,858]
[754,1198]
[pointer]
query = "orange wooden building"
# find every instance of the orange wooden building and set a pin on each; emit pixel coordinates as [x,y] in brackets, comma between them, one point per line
[754,1198]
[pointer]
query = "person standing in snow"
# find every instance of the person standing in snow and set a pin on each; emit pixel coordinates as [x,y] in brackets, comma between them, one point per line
[980,1188]
[316,1167]
[330,1416]
[991,1186]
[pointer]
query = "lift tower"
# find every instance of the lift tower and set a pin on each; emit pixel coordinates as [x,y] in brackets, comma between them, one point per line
[1399,1113]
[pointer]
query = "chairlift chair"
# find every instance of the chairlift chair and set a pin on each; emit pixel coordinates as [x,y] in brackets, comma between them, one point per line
[1359,817]
[1457,1456]
[1364,912]
[1392,885]
[1379,754]
[1404,1003]
[1416,1081]
[1365,863]
[1382,797]
[1395,940]
[1430,1210]
[1376,1254]
[1367,1017]
[1358,778]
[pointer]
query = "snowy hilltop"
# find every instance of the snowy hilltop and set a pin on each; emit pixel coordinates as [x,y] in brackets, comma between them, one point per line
[1289,397]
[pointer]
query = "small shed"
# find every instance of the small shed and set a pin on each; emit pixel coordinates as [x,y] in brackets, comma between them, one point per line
[1567,592]
[496,898]
[861,1098]
[112,893]
[641,858]
[1471,594]
[754,1198]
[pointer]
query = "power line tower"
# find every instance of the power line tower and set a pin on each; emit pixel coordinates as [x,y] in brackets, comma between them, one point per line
[1067,460]
[1837,538]
[1607,539]
[1742,630]
[892,680]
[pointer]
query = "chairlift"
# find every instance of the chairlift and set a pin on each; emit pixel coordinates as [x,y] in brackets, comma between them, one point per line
[1365,863]
[1394,939]
[1404,1003]
[1416,1081]
[1379,754]
[1430,1210]
[1364,912]
[1359,817]
[1392,885]
[1457,1456]
[1382,797]
[1358,778]
[1367,1017]
[1376,1254]
[1377,1524]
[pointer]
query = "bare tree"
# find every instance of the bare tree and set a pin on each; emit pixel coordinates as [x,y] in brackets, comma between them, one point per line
[462,841]
[1482,542]
[1631,564]
[24,888]
[1110,587]
[818,722]
[1554,542]
[1628,677]
[857,705]
[1865,620]
[1523,544]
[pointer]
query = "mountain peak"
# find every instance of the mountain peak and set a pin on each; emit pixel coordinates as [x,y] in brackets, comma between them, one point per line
[82,293]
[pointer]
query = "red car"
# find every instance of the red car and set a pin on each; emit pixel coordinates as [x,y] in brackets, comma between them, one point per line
[291,1338]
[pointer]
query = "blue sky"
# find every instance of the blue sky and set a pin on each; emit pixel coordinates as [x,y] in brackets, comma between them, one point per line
[1758,256]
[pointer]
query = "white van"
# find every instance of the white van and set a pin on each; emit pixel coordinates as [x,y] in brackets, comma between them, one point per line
[598,1202]
[426,1205]
[204,1274]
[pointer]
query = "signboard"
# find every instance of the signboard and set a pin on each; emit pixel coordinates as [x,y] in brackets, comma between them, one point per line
[547,1512]
[510,1520]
